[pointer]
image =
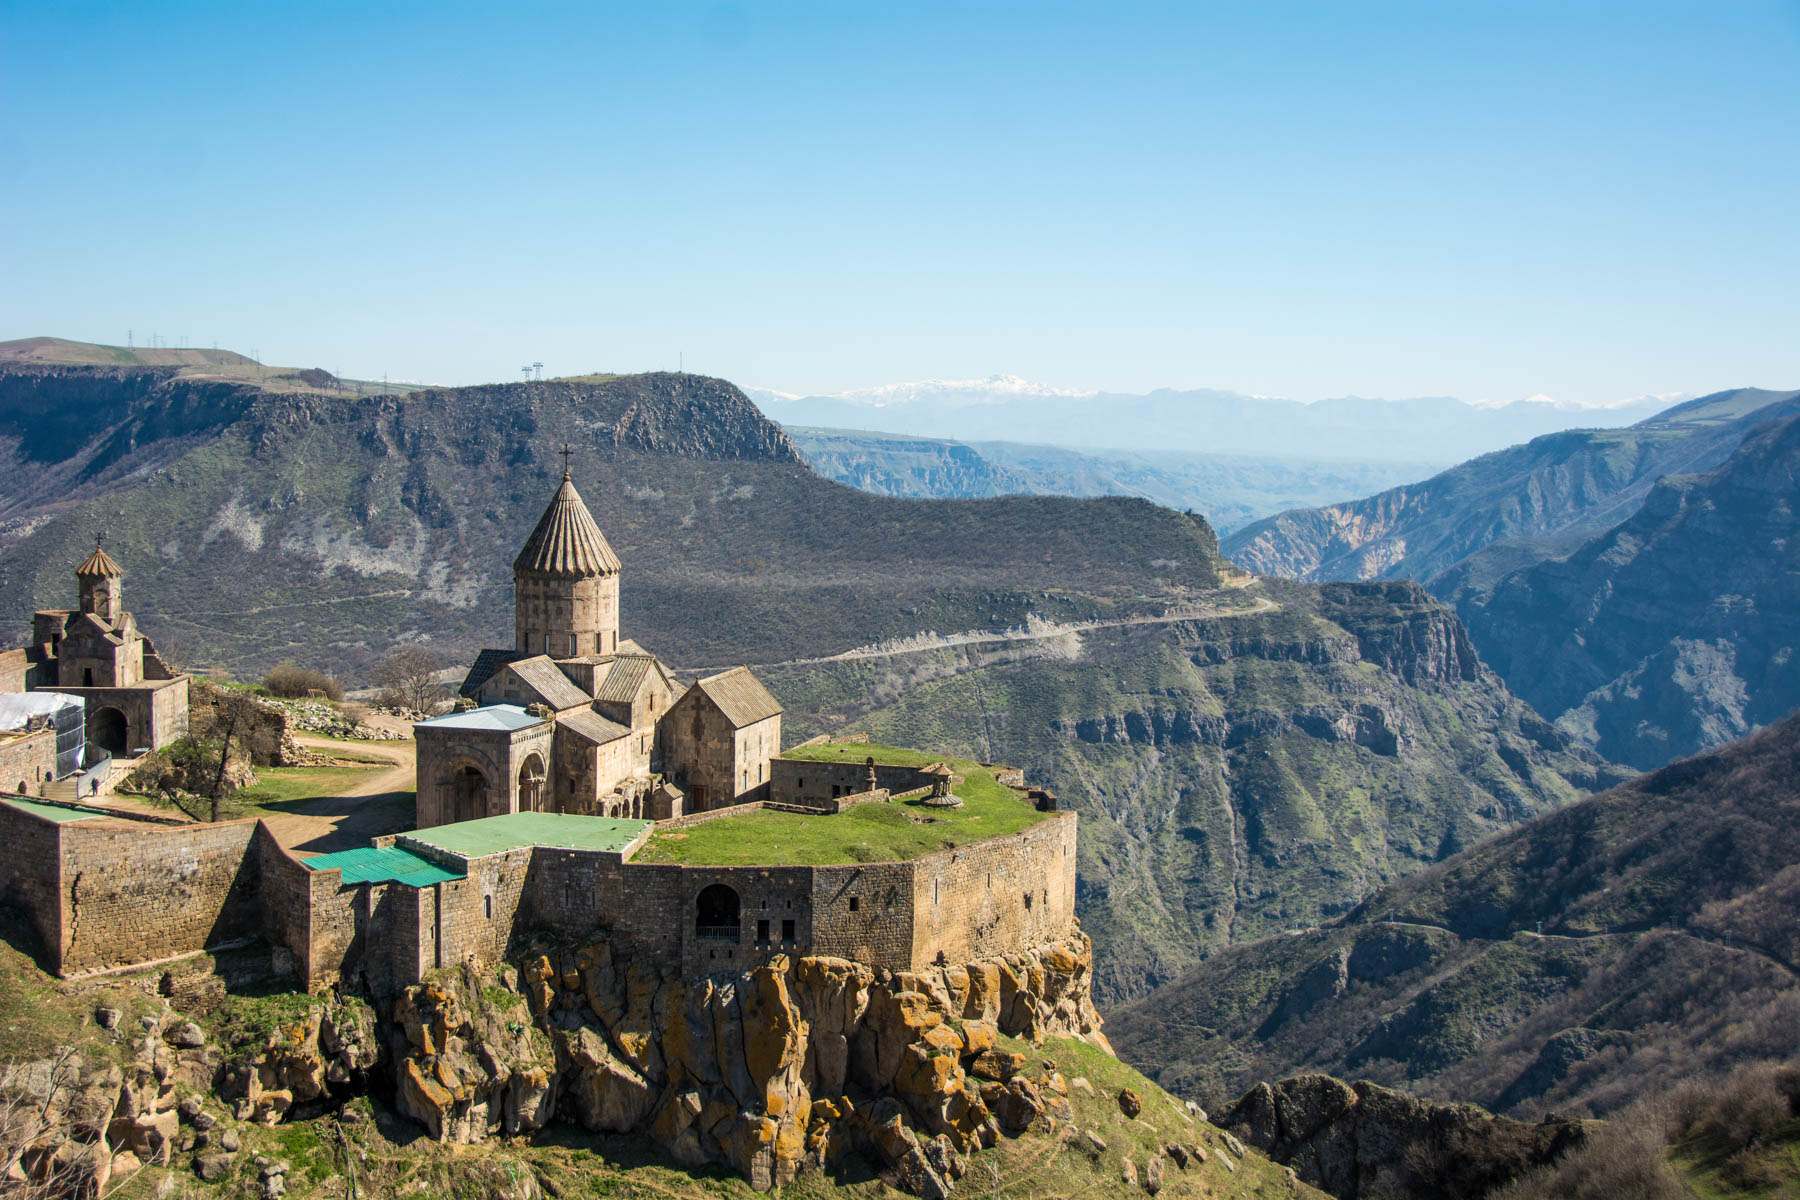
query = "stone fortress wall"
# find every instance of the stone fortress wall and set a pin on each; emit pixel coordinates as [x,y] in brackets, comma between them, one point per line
[106,893]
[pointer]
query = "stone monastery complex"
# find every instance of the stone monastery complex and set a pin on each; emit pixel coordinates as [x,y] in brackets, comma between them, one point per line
[547,942]
[566,754]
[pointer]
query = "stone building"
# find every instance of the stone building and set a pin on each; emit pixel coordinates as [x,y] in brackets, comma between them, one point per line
[723,733]
[135,702]
[575,719]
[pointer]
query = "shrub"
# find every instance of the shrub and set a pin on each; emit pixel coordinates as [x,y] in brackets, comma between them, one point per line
[298,682]
[1622,1161]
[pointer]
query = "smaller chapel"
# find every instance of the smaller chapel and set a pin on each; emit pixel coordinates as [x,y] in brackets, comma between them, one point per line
[574,719]
[135,702]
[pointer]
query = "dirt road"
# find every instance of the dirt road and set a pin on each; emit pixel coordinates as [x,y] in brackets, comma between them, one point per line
[367,804]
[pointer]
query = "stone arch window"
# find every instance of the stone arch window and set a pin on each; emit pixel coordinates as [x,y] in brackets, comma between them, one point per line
[531,784]
[716,913]
[487,904]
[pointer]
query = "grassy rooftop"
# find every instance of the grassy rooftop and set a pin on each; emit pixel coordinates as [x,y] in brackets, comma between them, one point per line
[866,833]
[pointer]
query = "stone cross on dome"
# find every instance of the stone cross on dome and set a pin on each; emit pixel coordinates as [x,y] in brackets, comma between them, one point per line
[565,452]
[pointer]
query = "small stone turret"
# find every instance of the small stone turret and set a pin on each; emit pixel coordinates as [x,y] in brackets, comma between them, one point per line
[101,583]
[566,583]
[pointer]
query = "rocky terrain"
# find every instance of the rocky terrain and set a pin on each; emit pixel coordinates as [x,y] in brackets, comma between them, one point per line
[1596,956]
[261,527]
[1361,1142]
[576,1073]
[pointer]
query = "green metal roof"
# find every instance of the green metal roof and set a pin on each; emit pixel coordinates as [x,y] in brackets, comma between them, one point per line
[491,835]
[50,812]
[379,864]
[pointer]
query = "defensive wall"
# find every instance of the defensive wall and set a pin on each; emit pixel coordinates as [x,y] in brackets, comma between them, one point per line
[105,893]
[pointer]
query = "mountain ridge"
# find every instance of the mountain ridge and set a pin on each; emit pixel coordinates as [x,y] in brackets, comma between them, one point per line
[1577,962]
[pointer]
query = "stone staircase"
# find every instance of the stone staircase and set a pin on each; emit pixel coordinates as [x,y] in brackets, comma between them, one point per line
[80,787]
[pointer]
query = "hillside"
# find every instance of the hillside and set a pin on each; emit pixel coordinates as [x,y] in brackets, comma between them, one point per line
[1236,775]
[1599,954]
[185,362]
[257,526]
[1228,489]
[1673,631]
[1544,493]
[1245,758]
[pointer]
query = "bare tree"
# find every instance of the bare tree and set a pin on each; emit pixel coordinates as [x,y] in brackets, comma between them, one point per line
[34,1121]
[408,679]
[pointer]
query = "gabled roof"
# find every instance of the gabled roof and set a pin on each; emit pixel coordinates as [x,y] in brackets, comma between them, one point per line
[566,541]
[99,565]
[626,677]
[593,727]
[544,677]
[483,668]
[740,695]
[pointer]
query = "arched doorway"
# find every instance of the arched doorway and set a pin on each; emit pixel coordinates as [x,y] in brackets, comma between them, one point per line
[468,794]
[531,785]
[108,729]
[716,913]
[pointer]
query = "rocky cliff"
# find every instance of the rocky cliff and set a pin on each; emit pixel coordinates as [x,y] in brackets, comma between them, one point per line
[1671,632]
[1363,1142]
[780,1069]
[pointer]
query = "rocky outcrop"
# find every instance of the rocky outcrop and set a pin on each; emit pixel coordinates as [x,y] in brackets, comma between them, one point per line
[329,1048]
[773,1071]
[1363,1142]
[75,1126]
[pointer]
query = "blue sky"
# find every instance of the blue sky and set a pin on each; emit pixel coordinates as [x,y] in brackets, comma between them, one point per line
[1487,200]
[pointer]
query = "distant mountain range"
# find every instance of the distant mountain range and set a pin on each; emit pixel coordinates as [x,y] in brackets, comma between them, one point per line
[1595,955]
[1205,421]
[1634,584]
[1229,490]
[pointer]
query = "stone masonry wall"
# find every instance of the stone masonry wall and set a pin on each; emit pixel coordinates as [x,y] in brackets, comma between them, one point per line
[865,913]
[797,781]
[26,760]
[135,893]
[29,880]
[994,896]
[478,917]
[286,898]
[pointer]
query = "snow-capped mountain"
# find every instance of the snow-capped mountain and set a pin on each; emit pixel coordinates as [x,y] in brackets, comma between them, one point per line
[1009,408]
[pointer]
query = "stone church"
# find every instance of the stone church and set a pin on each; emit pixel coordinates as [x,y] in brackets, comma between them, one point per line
[135,702]
[575,719]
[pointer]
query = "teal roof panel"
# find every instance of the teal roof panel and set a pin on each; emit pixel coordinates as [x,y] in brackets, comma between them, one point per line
[50,811]
[563,831]
[382,864]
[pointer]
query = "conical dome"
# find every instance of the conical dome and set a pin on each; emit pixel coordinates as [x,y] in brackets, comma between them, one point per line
[566,540]
[99,565]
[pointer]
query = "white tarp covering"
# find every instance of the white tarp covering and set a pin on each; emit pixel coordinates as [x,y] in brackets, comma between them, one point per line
[17,708]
